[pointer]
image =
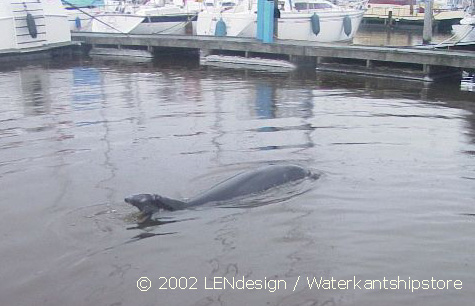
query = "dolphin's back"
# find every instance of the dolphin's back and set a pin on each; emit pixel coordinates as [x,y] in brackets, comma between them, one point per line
[247,183]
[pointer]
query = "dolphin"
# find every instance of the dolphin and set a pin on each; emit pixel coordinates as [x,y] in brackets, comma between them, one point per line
[242,184]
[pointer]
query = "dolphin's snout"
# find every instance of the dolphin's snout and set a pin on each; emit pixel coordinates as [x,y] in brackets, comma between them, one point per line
[144,202]
[128,200]
[133,200]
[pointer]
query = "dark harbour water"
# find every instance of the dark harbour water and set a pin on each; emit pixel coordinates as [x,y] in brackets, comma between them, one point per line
[396,197]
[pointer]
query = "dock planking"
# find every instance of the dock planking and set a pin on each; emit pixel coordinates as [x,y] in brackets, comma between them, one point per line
[310,52]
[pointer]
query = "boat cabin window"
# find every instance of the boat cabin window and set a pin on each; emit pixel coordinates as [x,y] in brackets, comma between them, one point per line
[319,6]
[228,4]
[302,6]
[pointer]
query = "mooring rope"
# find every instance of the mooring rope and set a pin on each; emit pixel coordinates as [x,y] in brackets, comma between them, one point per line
[184,23]
[453,36]
[92,16]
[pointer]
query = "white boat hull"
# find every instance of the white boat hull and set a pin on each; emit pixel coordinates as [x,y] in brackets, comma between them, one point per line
[137,24]
[84,16]
[292,26]
[50,27]
[464,32]
[298,26]
[243,24]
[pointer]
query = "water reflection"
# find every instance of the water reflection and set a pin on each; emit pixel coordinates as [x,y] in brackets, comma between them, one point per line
[35,90]
[397,158]
[468,82]
[86,87]
[274,95]
[261,105]
[445,96]
[145,235]
[265,101]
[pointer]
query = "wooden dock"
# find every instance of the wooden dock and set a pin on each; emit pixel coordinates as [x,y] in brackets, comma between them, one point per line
[405,62]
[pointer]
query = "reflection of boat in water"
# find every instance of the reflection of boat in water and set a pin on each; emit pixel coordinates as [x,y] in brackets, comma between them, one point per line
[147,17]
[35,89]
[32,26]
[465,31]
[468,82]
[310,20]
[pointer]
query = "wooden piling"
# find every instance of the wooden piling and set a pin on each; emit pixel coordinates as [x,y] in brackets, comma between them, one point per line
[427,31]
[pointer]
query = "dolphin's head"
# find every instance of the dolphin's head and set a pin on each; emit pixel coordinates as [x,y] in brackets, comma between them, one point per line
[148,204]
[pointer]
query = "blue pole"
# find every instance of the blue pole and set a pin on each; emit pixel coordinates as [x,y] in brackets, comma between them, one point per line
[268,22]
[260,19]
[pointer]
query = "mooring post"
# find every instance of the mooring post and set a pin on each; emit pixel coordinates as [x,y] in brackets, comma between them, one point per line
[369,64]
[276,18]
[260,19]
[268,34]
[427,31]
[390,19]
[426,69]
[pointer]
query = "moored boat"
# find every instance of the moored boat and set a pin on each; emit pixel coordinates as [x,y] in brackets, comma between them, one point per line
[146,17]
[465,31]
[309,20]
[80,12]
[32,26]
[410,13]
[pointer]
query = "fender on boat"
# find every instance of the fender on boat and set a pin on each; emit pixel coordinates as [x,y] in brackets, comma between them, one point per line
[31,24]
[347,25]
[77,22]
[220,28]
[315,20]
